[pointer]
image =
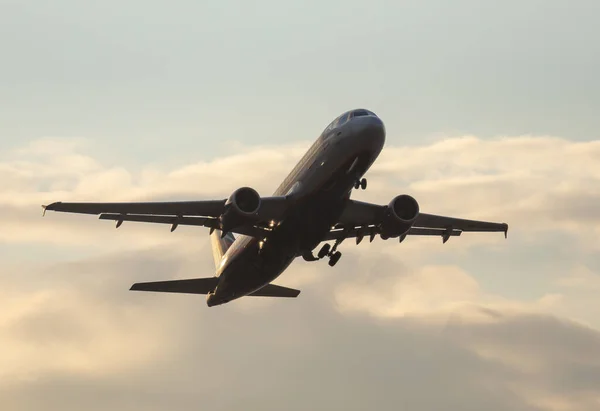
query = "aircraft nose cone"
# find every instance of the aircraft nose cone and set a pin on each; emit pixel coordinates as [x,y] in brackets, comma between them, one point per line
[371,128]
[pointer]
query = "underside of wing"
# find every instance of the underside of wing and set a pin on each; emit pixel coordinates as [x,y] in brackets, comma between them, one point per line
[437,221]
[359,213]
[199,208]
[244,212]
[361,219]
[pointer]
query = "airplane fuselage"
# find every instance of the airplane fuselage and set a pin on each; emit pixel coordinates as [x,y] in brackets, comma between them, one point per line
[318,187]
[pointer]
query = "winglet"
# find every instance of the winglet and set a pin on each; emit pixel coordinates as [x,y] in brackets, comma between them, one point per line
[50,207]
[505,230]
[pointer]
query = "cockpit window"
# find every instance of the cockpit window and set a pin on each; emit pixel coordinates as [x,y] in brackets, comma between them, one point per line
[331,126]
[338,121]
[345,117]
[358,113]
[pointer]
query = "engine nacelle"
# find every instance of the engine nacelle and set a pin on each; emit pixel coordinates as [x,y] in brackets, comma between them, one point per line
[241,207]
[400,215]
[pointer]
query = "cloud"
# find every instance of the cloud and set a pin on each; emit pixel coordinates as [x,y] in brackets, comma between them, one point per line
[477,323]
[581,277]
[81,340]
[536,183]
[400,287]
[59,318]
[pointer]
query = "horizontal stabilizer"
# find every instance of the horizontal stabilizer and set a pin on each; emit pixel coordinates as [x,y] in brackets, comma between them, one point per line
[272,290]
[208,285]
[193,286]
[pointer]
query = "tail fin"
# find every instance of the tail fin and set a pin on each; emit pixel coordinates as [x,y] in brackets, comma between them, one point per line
[220,245]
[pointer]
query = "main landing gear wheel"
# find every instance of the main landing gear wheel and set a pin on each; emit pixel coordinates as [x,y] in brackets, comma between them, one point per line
[324,251]
[334,258]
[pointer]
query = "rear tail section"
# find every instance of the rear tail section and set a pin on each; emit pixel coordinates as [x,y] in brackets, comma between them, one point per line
[220,245]
[208,285]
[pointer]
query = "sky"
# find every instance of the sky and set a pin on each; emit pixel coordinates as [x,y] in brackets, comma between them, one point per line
[490,111]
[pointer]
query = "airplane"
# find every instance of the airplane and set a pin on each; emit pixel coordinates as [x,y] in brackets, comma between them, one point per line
[311,206]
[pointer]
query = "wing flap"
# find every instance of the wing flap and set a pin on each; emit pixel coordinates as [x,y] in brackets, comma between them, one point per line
[433,231]
[160,219]
[374,230]
[272,290]
[192,286]
[174,221]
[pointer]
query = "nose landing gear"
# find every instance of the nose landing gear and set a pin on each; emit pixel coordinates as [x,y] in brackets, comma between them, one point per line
[362,183]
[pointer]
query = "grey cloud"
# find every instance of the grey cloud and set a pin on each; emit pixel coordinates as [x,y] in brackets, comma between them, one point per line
[299,354]
[574,205]
[565,354]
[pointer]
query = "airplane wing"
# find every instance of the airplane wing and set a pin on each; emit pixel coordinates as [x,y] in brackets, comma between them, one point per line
[361,219]
[211,208]
[175,213]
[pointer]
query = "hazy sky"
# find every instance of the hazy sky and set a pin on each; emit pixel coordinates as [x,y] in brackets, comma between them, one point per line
[160,76]
[491,113]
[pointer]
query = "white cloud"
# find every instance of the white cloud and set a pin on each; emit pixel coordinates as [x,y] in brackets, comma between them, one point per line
[431,292]
[534,184]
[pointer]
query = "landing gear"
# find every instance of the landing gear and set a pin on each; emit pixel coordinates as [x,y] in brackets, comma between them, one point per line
[334,258]
[324,251]
[334,255]
[362,183]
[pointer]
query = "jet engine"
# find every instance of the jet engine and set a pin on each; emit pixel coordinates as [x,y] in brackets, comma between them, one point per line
[400,215]
[241,207]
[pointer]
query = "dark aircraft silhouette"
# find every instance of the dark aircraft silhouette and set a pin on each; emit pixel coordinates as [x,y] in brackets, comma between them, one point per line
[312,205]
